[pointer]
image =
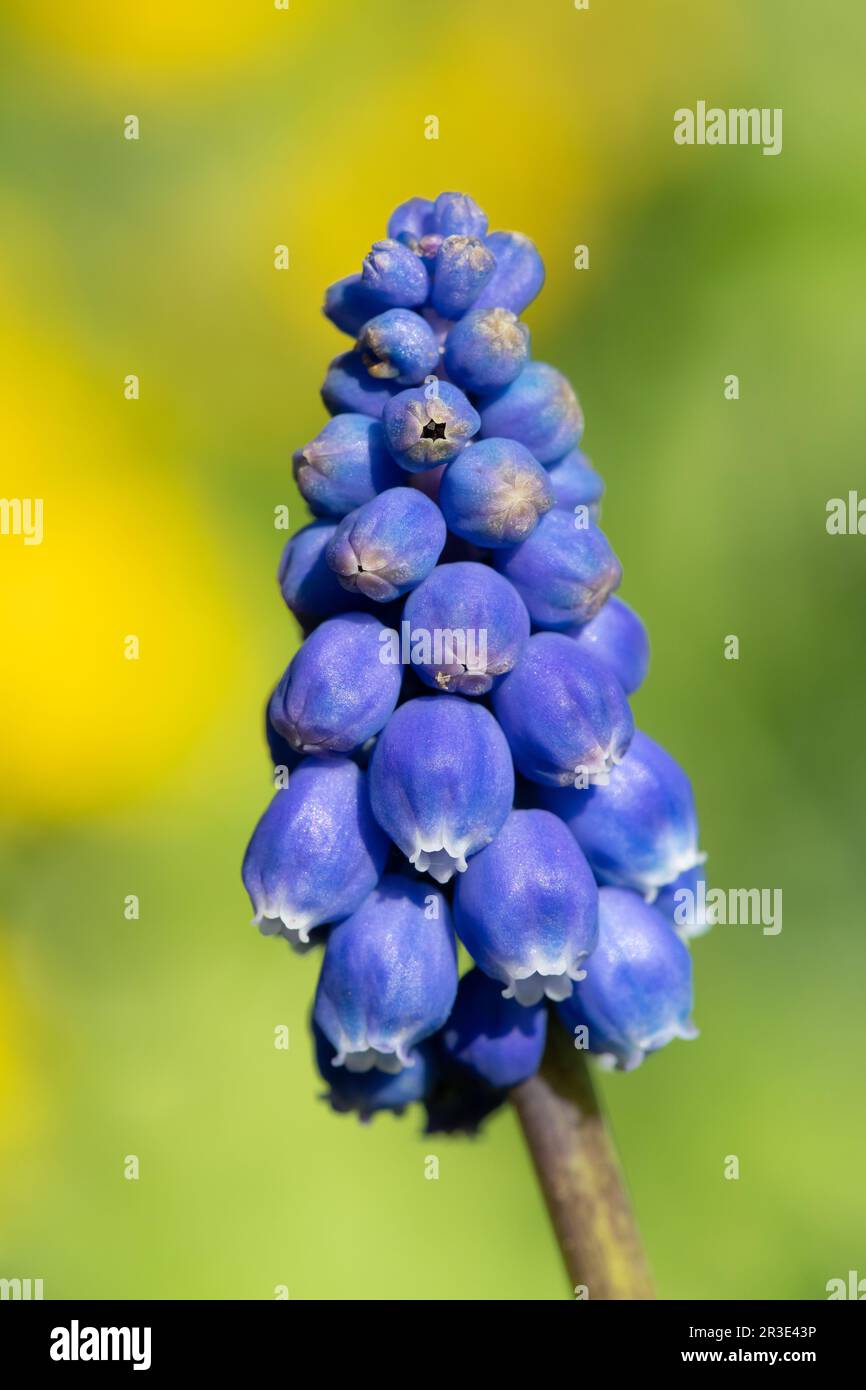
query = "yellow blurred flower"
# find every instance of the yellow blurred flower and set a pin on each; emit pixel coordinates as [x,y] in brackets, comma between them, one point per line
[124,553]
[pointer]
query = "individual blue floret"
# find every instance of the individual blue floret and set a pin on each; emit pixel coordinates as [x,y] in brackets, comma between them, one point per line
[486,349]
[494,494]
[563,572]
[441,782]
[617,638]
[399,346]
[462,268]
[393,273]
[526,908]
[336,693]
[566,716]
[466,627]
[519,273]
[389,976]
[428,425]
[346,465]
[386,547]
[539,408]
[576,484]
[316,852]
[637,995]
[497,1040]
[639,831]
[348,386]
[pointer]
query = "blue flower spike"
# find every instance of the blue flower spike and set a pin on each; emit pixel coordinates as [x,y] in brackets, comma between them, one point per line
[389,545]
[563,572]
[467,627]
[428,425]
[526,908]
[497,1040]
[345,466]
[399,346]
[565,715]
[618,639]
[486,349]
[640,830]
[494,494]
[317,851]
[539,409]
[389,976]
[637,995]
[456,534]
[441,782]
[337,692]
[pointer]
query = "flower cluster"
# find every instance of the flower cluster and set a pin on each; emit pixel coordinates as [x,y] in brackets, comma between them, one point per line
[489,785]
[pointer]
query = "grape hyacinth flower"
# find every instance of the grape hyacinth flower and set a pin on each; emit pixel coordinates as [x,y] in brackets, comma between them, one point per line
[486,349]
[389,976]
[456,214]
[637,994]
[451,499]
[307,583]
[349,388]
[368,1092]
[317,851]
[389,545]
[494,494]
[462,268]
[539,409]
[617,638]
[441,782]
[336,693]
[565,715]
[345,466]
[499,1041]
[576,484]
[395,275]
[519,274]
[399,346]
[563,572]
[349,304]
[479,620]
[640,830]
[526,908]
[429,425]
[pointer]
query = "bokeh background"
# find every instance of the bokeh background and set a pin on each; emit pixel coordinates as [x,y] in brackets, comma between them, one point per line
[155,1037]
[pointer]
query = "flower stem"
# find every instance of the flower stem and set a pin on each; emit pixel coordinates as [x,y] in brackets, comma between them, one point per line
[580,1176]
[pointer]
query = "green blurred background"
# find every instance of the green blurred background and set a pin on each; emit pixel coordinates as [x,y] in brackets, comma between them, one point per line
[155,257]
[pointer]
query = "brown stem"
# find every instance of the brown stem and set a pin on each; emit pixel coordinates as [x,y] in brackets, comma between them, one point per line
[580,1176]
